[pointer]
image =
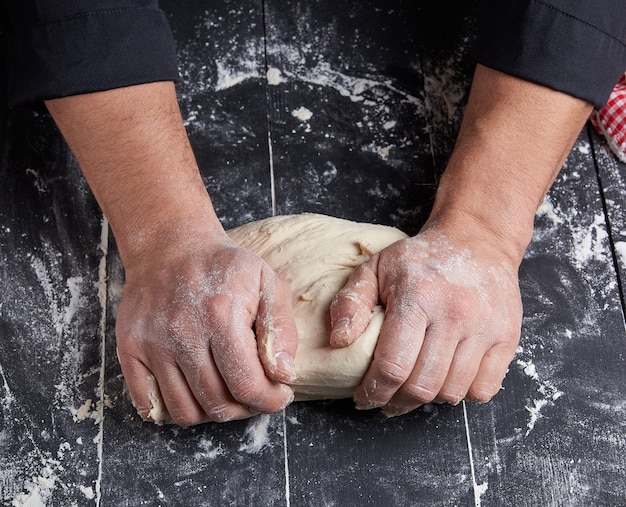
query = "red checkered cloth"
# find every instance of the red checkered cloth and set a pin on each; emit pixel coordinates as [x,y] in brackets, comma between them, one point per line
[611,120]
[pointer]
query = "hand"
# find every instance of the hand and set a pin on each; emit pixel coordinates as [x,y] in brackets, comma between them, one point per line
[452,323]
[192,297]
[451,294]
[188,322]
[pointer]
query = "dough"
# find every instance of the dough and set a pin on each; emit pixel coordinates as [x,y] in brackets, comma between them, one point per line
[316,254]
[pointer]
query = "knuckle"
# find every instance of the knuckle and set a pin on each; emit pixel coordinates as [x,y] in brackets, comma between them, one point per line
[394,372]
[129,350]
[218,309]
[511,339]
[143,411]
[421,393]
[454,398]
[414,312]
[462,309]
[220,414]
[183,418]
[216,408]
[482,394]
[459,314]
[282,285]
[246,392]
[336,303]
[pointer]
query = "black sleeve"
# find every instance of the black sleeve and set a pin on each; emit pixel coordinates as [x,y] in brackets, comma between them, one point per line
[57,48]
[574,46]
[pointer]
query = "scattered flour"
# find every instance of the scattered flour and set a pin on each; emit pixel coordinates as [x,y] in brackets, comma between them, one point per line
[584,148]
[550,393]
[208,450]
[445,90]
[39,487]
[87,491]
[302,113]
[211,70]
[61,314]
[620,248]
[89,411]
[256,436]
[591,243]
[373,92]
[229,77]
[547,209]
[274,76]
[8,398]
[479,489]
[82,412]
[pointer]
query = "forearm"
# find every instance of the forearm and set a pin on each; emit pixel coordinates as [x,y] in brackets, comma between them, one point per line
[134,152]
[202,322]
[513,141]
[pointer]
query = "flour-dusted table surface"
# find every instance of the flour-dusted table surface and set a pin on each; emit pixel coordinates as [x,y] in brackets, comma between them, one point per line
[343,108]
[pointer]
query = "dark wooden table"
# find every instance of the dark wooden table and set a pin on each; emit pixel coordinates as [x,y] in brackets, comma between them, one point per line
[344,108]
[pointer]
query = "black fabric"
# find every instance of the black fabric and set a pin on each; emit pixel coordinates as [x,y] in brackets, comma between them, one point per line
[574,46]
[57,48]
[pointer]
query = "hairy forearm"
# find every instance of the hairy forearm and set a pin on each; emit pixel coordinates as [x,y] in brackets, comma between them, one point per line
[513,141]
[134,152]
[201,321]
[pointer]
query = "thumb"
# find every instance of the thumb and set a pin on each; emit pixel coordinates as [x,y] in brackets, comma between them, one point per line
[277,336]
[352,308]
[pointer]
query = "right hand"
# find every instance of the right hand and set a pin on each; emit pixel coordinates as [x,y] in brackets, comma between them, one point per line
[188,319]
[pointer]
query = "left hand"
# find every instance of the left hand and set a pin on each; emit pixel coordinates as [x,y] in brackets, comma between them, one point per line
[452,324]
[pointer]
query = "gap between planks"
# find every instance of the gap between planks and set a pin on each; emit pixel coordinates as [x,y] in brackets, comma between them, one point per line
[102,297]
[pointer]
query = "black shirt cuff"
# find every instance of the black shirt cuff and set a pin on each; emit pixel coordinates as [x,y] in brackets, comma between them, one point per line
[89,52]
[574,46]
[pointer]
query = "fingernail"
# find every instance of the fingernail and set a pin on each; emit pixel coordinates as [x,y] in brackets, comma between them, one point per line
[395,411]
[366,406]
[285,364]
[340,331]
[342,324]
[292,396]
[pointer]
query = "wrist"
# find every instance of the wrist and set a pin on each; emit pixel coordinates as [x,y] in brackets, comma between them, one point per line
[514,138]
[466,226]
[167,231]
[471,207]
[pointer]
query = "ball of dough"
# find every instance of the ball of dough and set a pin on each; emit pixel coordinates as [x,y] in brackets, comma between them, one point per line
[316,254]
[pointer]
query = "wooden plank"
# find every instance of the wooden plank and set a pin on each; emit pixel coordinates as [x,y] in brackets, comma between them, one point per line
[565,288]
[49,319]
[555,436]
[349,139]
[612,175]
[337,456]
[447,31]
[345,94]
[223,101]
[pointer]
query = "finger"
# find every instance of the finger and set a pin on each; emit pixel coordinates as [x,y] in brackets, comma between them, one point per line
[211,392]
[144,391]
[236,357]
[277,337]
[427,378]
[352,307]
[493,368]
[179,400]
[463,371]
[399,345]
